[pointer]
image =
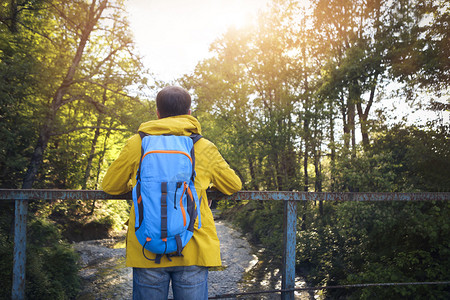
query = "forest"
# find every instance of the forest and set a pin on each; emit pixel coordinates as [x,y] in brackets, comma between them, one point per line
[314,96]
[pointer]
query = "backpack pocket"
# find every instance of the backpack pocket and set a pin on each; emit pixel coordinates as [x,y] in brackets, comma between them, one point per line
[178,217]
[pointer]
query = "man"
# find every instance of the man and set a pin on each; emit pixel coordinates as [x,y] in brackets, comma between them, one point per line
[188,273]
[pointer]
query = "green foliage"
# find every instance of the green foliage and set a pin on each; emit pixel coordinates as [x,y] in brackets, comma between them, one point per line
[421,157]
[19,66]
[114,213]
[385,242]
[85,220]
[370,242]
[368,173]
[401,159]
[263,223]
[379,242]
[51,269]
[6,249]
[75,119]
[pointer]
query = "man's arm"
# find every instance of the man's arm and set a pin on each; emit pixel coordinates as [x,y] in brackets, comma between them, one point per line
[117,178]
[224,178]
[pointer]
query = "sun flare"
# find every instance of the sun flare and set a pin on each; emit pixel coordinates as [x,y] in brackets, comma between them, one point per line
[174,35]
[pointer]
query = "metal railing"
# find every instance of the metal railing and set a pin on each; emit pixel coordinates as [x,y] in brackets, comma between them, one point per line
[290,199]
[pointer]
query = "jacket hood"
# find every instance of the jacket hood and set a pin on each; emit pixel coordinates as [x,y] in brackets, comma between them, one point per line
[177,125]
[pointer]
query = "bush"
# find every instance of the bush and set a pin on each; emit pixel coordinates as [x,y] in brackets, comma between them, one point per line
[378,242]
[264,223]
[51,267]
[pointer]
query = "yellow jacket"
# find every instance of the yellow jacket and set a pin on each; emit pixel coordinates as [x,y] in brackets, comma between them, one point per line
[204,248]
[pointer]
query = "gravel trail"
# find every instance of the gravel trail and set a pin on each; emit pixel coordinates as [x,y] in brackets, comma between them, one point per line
[105,276]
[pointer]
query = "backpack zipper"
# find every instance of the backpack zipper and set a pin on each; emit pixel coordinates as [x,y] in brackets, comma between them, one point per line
[175,196]
[167,152]
[181,204]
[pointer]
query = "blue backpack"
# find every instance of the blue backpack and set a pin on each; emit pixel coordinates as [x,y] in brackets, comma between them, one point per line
[165,200]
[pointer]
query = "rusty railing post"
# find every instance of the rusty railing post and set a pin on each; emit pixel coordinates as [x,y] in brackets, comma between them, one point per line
[289,234]
[20,246]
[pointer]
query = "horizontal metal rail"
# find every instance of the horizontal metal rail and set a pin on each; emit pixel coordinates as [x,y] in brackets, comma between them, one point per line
[329,287]
[44,194]
[290,199]
[49,194]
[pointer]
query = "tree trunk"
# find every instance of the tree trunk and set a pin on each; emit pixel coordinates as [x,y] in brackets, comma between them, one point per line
[87,172]
[363,116]
[102,155]
[333,151]
[38,154]
[351,125]
[317,166]
[278,171]
[99,165]
[13,15]
[306,131]
[279,157]
[305,169]
[346,127]
[354,97]
[364,128]
[251,166]
[318,182]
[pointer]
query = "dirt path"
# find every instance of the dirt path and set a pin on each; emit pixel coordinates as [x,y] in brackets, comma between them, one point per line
[105,276]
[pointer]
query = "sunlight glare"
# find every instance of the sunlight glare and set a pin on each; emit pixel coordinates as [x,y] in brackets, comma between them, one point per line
[174,35]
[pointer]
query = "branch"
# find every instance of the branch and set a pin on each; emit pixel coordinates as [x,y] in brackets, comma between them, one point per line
[70,100]
[102,62]
[99,10]
[439,106]
[88,127]
[372,94]
[3,18]
[109,89]
[99,106]
[38,33]
[116,7]
[69,21]
[123,22]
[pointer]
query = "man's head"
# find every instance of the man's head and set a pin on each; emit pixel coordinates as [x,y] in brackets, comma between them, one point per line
[173,101]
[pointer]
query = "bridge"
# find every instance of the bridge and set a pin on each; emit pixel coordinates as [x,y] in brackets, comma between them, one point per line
[290,200]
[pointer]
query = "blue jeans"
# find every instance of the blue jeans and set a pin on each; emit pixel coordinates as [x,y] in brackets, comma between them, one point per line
[187,283]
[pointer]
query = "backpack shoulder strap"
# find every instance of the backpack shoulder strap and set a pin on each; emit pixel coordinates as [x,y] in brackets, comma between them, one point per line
[195,137]
[142,135]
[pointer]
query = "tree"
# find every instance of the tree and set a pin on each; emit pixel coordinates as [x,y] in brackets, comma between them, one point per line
[19,66]
[248,87]
[420,54]
[77,35]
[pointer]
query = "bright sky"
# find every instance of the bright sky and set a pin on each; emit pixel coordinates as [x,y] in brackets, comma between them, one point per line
[174,35]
